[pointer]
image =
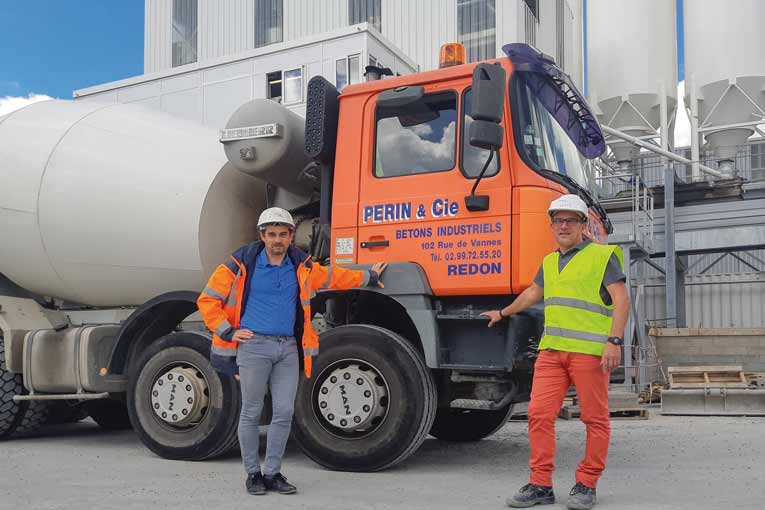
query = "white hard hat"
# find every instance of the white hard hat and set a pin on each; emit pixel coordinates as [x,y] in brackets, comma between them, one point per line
[568,203]
[275,216]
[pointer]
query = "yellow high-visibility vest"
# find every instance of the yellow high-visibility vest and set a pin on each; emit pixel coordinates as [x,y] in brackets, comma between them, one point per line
[576,318]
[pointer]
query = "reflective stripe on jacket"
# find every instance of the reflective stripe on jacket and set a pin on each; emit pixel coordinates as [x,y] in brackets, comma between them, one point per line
[576,317]
[223,300]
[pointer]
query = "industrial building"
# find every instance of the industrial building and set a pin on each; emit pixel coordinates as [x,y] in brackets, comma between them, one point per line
[693,227]
[203,59]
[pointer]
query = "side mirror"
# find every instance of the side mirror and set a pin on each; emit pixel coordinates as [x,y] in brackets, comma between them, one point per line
[487,106]
[485,132]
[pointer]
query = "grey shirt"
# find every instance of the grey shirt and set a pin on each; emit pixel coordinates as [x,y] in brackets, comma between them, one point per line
[613,272]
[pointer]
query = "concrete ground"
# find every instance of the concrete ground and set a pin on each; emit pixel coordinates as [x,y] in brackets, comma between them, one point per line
[660,463]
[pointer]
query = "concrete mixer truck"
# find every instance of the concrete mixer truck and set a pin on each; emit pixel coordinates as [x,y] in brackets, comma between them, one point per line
[112,217]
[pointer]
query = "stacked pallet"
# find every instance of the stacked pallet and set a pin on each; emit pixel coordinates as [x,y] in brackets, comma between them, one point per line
[713,391]
[622,405]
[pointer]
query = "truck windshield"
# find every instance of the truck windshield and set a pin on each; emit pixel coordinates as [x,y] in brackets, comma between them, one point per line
[543,143]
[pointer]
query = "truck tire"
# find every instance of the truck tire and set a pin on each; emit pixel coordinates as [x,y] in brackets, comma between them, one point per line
[109,414]
[369,403]
[181,408]
[17,419]
[463,425]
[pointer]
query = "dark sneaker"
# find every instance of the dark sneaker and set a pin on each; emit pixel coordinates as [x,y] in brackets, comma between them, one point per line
[530,495]
[581,497]
[256,484]
[280,484]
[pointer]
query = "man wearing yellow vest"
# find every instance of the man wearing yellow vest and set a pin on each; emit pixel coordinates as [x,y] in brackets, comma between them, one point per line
[586,310]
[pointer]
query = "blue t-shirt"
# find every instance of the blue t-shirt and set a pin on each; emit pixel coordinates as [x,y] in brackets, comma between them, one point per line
[270,308]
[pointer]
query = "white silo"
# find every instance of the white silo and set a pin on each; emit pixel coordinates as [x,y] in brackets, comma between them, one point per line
[725,73]
[632,69]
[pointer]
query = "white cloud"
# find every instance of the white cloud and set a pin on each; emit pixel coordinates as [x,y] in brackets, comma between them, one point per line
[682,122]
[402,150]
[9,104]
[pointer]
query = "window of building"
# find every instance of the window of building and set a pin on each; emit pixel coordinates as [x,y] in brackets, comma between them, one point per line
[473,158]
[347,71]
[758,161]
[533,7]
[285,86]
[417,138]
[476,28]
[184,47]
[274,84]
[365,11]
[293,86]
[530,21]
[269,22]
[561,12]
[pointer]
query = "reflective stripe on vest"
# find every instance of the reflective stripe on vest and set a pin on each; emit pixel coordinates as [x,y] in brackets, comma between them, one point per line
[576,318]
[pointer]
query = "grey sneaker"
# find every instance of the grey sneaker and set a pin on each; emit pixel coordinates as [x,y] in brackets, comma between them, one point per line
[255,484]
[530,495]
[581,497]
[278,483]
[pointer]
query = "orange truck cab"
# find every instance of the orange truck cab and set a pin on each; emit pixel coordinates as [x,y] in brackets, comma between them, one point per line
[447,176]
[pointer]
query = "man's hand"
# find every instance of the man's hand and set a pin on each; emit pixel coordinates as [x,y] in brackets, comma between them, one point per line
[611,358]
[494,317]
[242,335]
[379,267]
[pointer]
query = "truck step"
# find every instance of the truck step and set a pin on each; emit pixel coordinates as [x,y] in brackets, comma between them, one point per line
[62,396]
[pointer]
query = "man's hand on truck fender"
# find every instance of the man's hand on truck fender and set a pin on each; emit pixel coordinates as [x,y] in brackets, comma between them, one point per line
[494,317]
[242,335]
[379,267]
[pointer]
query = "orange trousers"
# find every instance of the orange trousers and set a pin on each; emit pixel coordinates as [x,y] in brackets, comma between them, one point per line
[554,372]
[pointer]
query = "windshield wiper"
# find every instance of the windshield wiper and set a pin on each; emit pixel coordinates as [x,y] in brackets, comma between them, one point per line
[583,193]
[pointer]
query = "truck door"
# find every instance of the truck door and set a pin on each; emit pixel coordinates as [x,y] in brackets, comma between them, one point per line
[418,168]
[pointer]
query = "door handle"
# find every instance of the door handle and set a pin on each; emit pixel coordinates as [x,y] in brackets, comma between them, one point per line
[374,244]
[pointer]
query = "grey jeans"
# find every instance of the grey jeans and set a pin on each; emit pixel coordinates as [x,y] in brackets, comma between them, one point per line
[266,361]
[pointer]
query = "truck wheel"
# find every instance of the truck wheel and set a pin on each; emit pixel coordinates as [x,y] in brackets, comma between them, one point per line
[34,416]
[469,424]
[370,401]
[181,408]
[109,414]
[17,419]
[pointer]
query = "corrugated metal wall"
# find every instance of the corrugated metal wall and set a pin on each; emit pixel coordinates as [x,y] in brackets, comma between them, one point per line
[158,24]
[418,27]
[302,18]
[731,300]
[226,27]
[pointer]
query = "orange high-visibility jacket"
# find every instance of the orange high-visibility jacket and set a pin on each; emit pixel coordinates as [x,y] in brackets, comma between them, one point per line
[222,302]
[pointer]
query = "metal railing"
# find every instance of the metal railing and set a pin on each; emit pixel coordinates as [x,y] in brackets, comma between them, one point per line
[749,163]
[633,195]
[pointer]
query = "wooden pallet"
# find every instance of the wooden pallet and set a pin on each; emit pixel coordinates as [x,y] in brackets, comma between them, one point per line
[707,377]
[635,413]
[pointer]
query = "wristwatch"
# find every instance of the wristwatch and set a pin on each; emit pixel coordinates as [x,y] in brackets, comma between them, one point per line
[503,315]
[616,340]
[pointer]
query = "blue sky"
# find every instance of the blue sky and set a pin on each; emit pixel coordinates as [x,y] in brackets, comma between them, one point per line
[53,47]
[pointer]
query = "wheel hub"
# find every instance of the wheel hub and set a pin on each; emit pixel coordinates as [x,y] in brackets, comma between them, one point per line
[350,398]
[179,396]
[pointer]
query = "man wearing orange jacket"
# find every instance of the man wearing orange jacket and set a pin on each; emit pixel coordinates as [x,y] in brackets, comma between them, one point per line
[586,309]
[258,303]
